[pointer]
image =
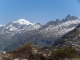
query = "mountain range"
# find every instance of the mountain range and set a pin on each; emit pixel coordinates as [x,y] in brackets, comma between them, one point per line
[21,32]
[71,38]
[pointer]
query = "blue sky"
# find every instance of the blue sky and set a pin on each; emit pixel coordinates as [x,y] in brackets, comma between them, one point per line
[39,11]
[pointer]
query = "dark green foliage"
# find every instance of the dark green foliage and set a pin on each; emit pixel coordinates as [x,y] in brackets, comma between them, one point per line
[67,52]
[30,43]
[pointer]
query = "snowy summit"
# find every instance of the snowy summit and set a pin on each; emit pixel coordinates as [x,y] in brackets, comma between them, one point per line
[24,22]
[1,25]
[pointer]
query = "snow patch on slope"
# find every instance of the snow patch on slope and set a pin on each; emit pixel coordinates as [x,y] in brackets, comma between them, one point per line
[78,17]
[66,24]
[61,29]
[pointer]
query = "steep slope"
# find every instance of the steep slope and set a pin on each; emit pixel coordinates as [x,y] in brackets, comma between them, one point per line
[46,35]
[22,31]
[61,29]
[72,38]
[30,36]
[19,26]
[16,27]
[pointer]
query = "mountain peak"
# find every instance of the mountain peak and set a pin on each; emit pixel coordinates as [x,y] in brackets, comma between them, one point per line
[69,18]
[24,22]
[1,25]
[68,15]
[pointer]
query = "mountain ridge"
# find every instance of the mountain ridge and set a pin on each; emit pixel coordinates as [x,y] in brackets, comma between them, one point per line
[40,35]
[71,38]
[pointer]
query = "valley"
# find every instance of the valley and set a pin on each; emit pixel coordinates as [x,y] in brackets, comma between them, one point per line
[24,40]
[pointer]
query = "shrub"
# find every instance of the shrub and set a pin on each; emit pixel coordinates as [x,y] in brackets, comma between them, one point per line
[68,52]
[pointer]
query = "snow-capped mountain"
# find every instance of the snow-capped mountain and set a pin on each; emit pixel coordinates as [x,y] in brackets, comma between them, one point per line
[60,29]
[23,31]
[56,28]
[23,22]
[71,38]
[19,26]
